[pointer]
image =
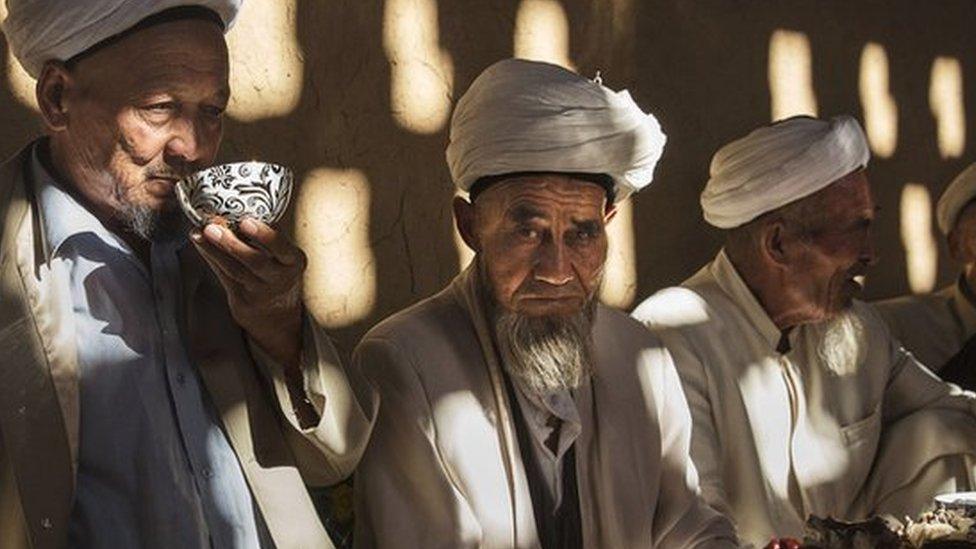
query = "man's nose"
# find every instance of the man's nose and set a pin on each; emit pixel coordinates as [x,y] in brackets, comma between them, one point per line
[185,142]
[553,265]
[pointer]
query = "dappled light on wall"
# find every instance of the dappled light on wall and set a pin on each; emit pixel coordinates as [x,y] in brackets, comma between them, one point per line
[790,75]
[421,73]
[21,84]
[880,109]
[266,69]
[946,101]
[620,276]
[542,32]
[332,226]
[921,251]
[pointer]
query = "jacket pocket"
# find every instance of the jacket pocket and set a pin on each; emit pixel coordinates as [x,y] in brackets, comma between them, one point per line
[863,430]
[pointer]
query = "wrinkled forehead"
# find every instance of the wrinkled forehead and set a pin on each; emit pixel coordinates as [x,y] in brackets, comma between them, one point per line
[548,195]
[851,192]
[168,56]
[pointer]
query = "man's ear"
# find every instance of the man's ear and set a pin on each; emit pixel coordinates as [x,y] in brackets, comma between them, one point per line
[774,242]
[50,91]
[961,248]
[464,218]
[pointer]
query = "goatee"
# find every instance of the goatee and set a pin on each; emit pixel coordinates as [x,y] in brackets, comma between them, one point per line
[546,353]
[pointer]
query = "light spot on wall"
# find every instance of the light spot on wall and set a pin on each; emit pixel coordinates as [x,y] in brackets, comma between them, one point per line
[542,32]
[265,61]
[880,109]
[21,84]
[421,73]
[332,220]
[921,252]
[465,254]
[946,102]
[620,277]
[790,75]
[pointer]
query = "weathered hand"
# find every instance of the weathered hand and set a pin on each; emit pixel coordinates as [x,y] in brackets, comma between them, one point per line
[262,274]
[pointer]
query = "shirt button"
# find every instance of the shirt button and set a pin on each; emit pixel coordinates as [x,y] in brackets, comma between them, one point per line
[46,523]
[207,472]
[181,378]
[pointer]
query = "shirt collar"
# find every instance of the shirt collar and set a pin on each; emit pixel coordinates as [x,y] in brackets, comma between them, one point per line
[732,284]
[62,217]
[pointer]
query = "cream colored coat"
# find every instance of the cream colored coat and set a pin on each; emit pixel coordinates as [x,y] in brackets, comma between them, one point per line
[934,327]
[39,393]
[443,468]
[779,437]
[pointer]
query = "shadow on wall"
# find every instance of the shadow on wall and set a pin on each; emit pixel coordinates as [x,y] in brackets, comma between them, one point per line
[701,67]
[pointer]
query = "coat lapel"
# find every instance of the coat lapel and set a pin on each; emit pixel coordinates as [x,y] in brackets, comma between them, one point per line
[522,517]
[38,382]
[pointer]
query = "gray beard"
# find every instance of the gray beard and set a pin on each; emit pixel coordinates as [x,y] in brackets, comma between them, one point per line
[146,222]
[545,354]
[841,345]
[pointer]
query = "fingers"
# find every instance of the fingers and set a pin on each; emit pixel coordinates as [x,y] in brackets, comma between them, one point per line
[278,246]
[268,257]
[226,267]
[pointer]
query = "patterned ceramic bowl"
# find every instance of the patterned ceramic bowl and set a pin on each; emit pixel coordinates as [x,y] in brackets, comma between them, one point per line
[234,191]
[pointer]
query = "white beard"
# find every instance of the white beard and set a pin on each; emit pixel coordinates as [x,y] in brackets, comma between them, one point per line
[546,354]
[841,345]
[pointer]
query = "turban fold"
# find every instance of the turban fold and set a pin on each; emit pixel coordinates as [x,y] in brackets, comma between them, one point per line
[955,198]
[779,164]
[40,30]
[526,116]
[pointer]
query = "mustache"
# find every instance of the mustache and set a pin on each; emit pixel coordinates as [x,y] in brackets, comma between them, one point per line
[169,172]
[535,288]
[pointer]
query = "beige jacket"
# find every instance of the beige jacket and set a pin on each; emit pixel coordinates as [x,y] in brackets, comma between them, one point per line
[443,468]
[779,437]
[935,326]
[39,393]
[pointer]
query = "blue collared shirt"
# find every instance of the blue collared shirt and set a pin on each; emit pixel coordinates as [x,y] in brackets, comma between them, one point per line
[155,468]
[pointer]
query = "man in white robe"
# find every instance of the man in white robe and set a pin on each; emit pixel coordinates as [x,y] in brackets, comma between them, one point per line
[514,410]
[795,388]
[935,326]
[157,388]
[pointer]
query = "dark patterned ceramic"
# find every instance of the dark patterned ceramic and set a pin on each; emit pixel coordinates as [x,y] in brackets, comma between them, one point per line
[235,191]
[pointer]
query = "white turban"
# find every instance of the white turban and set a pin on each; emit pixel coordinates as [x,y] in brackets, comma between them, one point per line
[779,164]
[40,30]
[526,116]
[954,199]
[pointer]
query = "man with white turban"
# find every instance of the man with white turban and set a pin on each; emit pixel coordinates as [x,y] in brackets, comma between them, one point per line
[514,410]
[935,326]
[795,388]
[153,393]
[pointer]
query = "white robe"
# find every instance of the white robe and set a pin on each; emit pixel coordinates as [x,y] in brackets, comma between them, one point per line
[443,467]
[935,326]
[761,466]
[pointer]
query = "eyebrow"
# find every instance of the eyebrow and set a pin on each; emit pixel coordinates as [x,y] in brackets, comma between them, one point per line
[523,213]
[590,225]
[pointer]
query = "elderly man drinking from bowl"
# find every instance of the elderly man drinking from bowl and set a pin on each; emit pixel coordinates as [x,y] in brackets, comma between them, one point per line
[133,408]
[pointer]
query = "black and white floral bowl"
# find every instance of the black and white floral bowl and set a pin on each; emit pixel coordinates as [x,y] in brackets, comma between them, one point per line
[259,190]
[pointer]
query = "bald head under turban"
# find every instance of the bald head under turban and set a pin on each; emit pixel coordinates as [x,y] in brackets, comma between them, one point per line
[779,164]
[41,30]
[526,116]
[955,198]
